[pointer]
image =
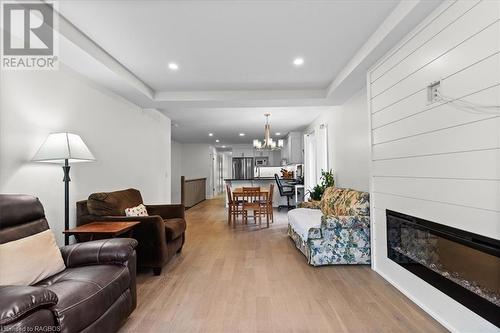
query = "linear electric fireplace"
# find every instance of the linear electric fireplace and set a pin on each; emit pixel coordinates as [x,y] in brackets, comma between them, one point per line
[463,265]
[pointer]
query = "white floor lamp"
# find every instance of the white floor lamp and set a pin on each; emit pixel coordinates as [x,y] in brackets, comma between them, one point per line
[64,148]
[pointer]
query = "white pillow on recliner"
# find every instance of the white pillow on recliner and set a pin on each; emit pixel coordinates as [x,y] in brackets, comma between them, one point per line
[29,260]
[136,211]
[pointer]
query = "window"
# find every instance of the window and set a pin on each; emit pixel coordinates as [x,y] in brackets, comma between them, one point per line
[309,161]
[315,155]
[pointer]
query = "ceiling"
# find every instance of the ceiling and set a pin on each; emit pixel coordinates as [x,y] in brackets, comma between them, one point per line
[233,121]
[230,45]
[235,57]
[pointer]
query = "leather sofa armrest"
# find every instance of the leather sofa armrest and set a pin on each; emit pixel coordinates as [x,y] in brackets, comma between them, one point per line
[16,301]
[166,211]
[115,251]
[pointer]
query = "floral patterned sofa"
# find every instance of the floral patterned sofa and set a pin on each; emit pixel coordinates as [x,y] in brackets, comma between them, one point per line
[335,230]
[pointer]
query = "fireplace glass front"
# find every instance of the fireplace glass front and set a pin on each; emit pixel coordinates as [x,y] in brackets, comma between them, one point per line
[463,265]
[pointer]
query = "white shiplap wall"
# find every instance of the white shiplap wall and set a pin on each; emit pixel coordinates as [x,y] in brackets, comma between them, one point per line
[437,161]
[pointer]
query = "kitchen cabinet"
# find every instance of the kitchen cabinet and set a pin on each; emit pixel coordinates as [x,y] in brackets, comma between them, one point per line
[243,151]
[284,150]
[293,148]
[274,156]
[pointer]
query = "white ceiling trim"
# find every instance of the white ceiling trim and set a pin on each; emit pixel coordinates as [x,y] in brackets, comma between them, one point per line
[228,95]
[397,16]
[76,36]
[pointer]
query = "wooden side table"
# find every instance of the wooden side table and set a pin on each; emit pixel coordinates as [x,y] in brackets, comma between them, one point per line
[100,230]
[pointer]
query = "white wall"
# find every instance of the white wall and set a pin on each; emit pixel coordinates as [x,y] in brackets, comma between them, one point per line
[176,171]
[131,145]
[192,160]
[227,165]
[437,161]
[348,141]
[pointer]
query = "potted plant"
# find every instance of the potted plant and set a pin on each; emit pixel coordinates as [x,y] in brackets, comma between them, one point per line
[316,193]
[327,180]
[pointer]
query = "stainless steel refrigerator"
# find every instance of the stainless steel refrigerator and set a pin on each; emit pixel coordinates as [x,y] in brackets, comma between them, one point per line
[243,168]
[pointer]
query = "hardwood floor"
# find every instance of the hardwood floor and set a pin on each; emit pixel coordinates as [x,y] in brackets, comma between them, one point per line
[243,279]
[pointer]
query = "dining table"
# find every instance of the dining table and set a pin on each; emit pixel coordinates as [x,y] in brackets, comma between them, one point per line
[238,192]
[239,195]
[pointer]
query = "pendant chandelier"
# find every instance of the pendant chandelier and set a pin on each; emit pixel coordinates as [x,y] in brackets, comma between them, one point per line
[268,143]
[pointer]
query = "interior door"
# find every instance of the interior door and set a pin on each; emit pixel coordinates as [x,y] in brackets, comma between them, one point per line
[220,176]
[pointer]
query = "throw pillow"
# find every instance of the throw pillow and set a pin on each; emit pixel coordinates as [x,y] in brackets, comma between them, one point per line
[29,260]
[136,211]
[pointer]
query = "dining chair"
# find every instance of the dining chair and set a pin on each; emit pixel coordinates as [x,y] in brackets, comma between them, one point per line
[251,189]
[251,202]
[266,203]
[234,205]
[269,206]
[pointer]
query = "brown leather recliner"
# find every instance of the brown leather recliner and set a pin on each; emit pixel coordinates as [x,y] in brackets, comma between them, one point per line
[160,235]
[95,293]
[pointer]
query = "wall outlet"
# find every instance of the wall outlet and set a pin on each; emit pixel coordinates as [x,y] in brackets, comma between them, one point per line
[433,92]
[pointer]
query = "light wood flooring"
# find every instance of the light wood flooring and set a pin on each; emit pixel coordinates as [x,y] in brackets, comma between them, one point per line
[245,279]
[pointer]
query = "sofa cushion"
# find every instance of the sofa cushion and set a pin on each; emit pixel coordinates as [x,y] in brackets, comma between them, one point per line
[113,203]
[38,253]
[174,228]
[353,203]
[17,209]
[303,219]
[329,200]
[85,293]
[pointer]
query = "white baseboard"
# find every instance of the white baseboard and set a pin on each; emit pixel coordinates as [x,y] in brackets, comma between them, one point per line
[443,322]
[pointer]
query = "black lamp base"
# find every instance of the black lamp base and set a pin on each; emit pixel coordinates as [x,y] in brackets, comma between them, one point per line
[66,181]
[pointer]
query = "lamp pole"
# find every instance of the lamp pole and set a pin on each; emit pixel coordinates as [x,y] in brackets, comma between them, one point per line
[66,181]
[64,147]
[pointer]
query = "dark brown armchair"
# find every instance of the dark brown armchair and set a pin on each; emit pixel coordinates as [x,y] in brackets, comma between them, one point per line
[160,235]
[95,293]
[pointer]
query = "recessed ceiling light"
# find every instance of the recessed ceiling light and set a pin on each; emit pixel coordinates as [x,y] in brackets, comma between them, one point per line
[223,146]
[210,134]
[242,134]
[278,133]
[173,66]
[298,61]
[217,140]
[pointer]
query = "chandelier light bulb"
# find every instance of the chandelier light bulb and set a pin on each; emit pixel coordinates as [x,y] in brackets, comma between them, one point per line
[268,143]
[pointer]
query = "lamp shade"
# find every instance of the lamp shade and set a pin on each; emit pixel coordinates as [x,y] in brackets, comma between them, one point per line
[61,146]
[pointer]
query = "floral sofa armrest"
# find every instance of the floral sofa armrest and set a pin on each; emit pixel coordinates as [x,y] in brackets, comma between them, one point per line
[351,232]
[344,240]
[314,233]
